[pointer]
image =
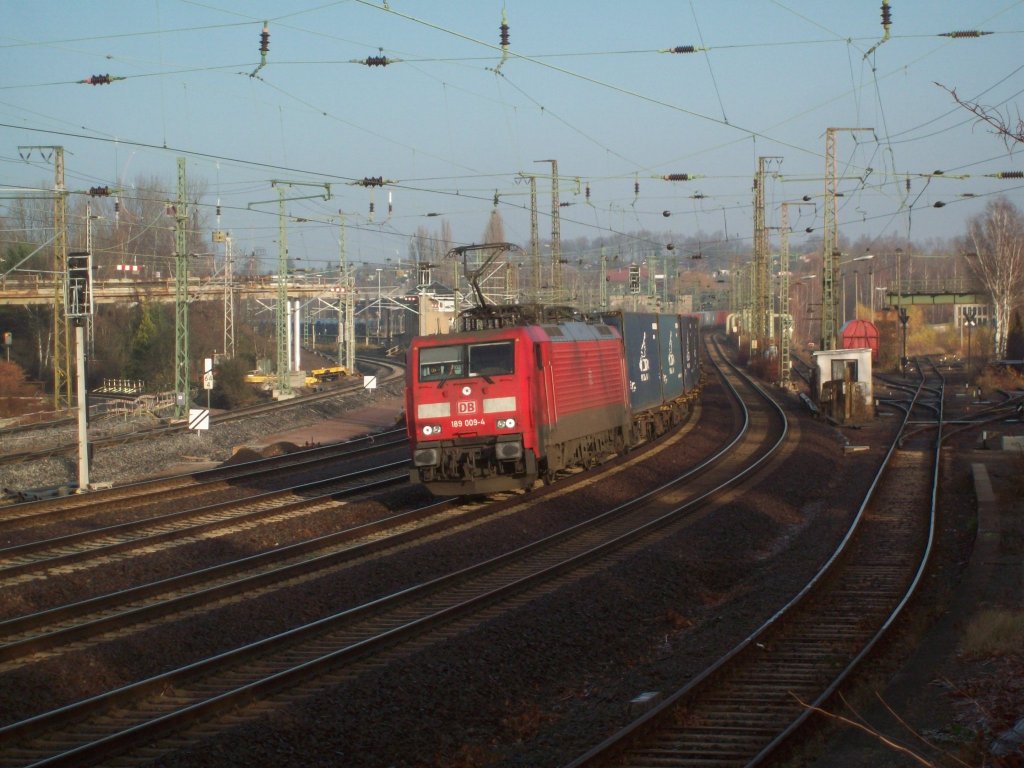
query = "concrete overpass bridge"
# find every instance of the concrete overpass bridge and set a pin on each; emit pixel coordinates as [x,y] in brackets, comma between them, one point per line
[935,291]
[33,291]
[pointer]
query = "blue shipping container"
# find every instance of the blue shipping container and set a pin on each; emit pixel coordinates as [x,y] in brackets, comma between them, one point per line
[639,333]
[670,340]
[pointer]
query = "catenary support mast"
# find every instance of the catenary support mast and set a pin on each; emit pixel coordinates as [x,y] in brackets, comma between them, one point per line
[181,370]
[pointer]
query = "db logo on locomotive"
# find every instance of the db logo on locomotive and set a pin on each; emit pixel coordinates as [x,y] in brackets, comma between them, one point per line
[467,406]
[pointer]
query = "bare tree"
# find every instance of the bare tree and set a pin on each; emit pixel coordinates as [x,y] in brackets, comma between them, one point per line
[427,248]
[495,231]
[997,235]
[997,239]
[1003,124]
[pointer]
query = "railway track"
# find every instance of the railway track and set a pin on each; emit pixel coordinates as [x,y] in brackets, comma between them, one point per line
[128,610]
[747,705]
[386,371]
[279,668]
[225,482]
[40,559]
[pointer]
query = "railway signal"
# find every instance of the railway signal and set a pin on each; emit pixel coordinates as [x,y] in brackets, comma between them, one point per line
[78,291]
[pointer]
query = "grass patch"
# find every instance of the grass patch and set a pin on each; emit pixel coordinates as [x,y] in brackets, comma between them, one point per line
[994,632]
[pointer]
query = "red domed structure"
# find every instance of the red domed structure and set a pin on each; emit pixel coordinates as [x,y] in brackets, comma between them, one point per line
[860,334]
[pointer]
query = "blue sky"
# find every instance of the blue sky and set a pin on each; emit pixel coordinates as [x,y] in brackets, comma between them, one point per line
[452,124]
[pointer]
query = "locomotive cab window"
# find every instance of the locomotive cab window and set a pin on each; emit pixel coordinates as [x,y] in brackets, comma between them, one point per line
[493,359]
[461,360]
[439,363]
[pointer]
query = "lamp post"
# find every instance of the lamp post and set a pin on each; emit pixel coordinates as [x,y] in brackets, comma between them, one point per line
[856,294]
[871,287]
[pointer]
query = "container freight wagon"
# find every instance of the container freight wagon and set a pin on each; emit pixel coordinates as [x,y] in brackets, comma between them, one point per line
[654,348]
[494,410]
[714,318]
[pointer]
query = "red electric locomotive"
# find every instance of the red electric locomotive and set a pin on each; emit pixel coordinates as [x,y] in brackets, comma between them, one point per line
[523,391]
[496,409]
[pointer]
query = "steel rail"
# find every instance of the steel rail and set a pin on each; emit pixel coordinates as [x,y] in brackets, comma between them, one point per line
[52,554]
[146,492]
[394,369]
[656,738]
[413,612]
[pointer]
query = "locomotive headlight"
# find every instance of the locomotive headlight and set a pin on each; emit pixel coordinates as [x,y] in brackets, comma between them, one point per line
[506,423]
[431,429]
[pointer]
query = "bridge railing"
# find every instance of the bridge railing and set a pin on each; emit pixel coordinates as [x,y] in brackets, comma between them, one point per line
[938,285]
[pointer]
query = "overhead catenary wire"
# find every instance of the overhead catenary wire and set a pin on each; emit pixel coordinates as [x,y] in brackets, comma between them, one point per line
[716,47]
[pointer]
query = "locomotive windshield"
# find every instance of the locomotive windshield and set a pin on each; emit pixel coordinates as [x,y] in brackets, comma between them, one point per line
[461,360]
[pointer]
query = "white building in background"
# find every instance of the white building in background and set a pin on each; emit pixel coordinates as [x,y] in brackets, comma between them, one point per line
[980,312]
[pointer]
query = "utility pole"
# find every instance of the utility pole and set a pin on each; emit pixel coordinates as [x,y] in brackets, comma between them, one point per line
[830,256]
[181,373]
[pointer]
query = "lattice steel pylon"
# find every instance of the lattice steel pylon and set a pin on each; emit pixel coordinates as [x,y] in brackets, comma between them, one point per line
[229,298]
[556,236]
[346,307]
[535,241]
[603,288]
[785,317]
[762,330]
[555,288]
[284,385]
[830,245]
[283,377]
[182,384]
[60,326]
[759,273]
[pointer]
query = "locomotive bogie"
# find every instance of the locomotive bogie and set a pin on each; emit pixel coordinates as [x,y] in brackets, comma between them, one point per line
[472,467]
